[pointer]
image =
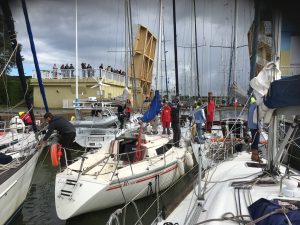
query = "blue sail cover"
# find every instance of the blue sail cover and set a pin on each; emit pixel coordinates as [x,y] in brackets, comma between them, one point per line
[154,108]
[284,92]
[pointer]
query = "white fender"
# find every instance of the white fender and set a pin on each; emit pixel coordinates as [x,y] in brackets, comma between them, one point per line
[16,124]
[189,160]
[180,167]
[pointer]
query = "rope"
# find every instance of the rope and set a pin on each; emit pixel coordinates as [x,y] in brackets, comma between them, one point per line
[9,60]
[227,217]
[280,210]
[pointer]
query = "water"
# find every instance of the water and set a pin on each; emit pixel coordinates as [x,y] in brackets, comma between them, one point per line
[39,207]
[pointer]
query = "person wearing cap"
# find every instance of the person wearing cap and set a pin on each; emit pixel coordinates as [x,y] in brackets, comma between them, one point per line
[67,133]
[26,118]
[254,129]
[166,118]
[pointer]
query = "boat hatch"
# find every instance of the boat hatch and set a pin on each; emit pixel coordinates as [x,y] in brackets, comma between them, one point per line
[256,165]
[127,150]
[163,149]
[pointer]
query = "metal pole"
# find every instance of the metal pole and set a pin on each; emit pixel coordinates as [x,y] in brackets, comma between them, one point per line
[175,50]
[76,56]
[196,48]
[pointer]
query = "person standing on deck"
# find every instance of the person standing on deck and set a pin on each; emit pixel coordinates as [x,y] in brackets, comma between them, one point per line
[210,112]
[166,118]
[175,122]
[128,109]
[66,131]
[253,126]
[199,119]
[121,115]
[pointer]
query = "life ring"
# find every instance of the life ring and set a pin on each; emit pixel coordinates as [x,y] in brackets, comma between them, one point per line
[56,153]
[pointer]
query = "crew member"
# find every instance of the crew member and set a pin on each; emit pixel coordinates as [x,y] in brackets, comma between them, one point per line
[175,122]
[26,118]
[210,112]
[166,118]
[66,131]
[253,126]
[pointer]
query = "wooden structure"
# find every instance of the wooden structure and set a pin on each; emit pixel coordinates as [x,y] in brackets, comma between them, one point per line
[143,60]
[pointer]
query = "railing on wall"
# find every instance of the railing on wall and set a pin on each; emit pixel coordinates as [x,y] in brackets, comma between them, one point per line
[82,74]
[290,70]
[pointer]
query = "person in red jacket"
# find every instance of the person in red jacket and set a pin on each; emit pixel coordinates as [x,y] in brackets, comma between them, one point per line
[26,118]
[166,118]
[210,112]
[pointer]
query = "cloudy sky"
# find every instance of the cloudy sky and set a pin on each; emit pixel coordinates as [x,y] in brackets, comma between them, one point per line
[101,36]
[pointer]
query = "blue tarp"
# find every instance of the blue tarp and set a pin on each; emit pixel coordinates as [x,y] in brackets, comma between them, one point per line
[154,108]
[284,92]
[263,207]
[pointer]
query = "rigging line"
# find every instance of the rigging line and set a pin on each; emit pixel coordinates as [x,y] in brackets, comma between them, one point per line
[166,190]
[9,59]
[235,194]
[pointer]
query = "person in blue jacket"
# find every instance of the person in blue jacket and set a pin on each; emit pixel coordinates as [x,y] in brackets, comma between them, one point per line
[254,129]
[199,119]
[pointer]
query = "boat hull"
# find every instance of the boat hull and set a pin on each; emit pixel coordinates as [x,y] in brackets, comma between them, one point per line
[13,190]
[101,195]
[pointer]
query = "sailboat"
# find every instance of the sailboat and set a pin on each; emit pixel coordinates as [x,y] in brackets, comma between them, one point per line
[240,191]
[122,171]
[18,145]
[95,119]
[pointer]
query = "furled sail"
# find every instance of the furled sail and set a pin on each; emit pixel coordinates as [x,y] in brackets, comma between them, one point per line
[154,108]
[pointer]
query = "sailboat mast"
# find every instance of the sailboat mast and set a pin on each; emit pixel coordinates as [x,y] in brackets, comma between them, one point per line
[254,42]
[126,43]
[165,56]
[159,50]
[235,41]
[175,50]
[130,31]
[196,49]
[36,63]
[11,29]
[76,56]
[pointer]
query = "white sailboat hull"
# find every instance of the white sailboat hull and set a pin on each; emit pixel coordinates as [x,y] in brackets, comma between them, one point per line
[13,191]
[106,180]
[223,197]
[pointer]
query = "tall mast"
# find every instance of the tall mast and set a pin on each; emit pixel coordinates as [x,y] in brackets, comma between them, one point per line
[235,41]
[159,50]
[36,63]
[13,40]
[196,49]
[175,50]
[126,42]
[165,56]
[76,56]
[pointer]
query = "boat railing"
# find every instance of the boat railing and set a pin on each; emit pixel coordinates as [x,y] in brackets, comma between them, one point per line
[82,74]
[121,160]
[3,126]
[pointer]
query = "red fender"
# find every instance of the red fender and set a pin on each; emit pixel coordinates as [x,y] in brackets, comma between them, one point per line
[56,153]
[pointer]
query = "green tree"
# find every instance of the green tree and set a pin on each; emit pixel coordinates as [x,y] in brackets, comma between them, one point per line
[5,48]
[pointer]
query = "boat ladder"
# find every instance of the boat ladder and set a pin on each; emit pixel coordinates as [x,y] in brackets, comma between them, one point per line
[69,188]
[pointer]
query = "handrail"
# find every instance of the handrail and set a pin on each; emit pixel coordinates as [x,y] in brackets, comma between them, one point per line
[118,156]
[82,74]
